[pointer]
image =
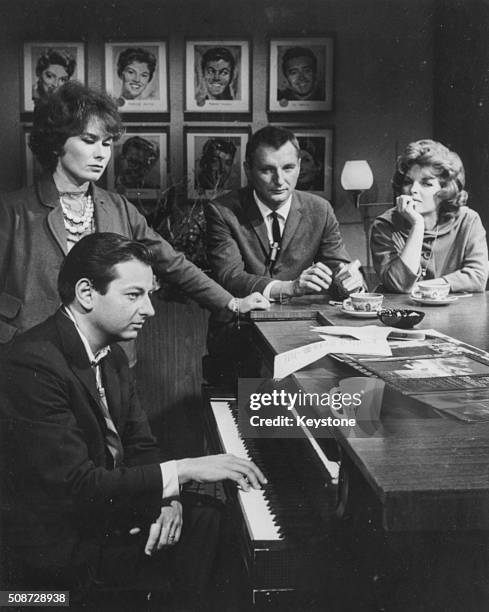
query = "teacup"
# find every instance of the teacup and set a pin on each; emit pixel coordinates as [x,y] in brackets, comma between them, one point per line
[432,290]
[366,302]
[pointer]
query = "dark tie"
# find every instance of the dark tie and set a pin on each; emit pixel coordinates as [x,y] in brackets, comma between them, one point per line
[276,236]
[112,438]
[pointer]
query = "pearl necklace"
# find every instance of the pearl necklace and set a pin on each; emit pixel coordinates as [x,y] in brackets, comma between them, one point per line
[77,224]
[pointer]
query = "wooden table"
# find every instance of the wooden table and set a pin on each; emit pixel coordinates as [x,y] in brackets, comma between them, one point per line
[428,472]
[466,319]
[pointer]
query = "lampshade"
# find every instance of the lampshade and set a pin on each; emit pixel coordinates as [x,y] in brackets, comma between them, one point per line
[356,175]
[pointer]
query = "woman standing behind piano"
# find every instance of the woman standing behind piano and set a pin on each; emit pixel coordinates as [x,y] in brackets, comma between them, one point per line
[72,137]
[430,233]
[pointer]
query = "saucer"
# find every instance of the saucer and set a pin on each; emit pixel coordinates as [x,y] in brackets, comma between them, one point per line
[361,314]
[431,302]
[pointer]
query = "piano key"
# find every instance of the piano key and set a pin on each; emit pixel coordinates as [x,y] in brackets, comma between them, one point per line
[260,519]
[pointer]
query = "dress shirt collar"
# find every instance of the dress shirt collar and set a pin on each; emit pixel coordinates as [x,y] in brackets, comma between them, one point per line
[282,211]
[94,359]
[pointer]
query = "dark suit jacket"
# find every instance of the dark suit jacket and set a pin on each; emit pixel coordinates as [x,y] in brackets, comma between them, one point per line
[238,245]
[66,496]
[33,245]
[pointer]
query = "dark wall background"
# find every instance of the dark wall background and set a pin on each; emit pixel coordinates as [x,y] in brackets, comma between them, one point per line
[461,91]
[383,69]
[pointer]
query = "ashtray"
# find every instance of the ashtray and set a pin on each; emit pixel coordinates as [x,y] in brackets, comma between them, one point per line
[401,318]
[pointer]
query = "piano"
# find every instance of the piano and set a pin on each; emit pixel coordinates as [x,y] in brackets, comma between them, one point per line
[284,529]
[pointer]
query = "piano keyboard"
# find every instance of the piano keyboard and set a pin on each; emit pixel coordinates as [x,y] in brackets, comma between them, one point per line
[260,520]
[283,529]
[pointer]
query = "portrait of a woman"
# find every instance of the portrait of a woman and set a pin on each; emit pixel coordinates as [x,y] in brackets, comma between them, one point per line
[311,175]
[430,233]
[136,75]
[135,68]
[53,68]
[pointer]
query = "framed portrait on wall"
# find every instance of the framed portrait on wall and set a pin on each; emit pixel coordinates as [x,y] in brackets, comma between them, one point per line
[214,160]
[47,65]
[316,173]
[217,76]
[138,168]
[136,74]
[301,75]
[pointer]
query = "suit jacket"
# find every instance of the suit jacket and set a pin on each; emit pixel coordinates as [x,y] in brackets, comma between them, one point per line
[65,494]
[238,246]
[33,245]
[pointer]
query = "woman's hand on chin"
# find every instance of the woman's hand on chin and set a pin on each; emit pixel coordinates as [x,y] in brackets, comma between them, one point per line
[406,207]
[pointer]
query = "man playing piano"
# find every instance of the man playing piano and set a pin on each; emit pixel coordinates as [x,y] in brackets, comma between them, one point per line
[272,239]
[90,501]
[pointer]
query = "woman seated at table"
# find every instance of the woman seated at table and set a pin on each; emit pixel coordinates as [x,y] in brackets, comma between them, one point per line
[430,233]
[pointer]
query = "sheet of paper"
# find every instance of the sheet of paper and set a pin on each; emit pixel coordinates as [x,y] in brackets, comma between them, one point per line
[360,333]
[290,361]
[367,346]
[405,344]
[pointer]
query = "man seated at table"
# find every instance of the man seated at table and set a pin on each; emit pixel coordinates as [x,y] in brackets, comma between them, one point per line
[272,239]
[89,494]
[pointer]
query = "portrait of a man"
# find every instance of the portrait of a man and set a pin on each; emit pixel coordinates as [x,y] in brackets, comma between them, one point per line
[217,76]
[300,70]
[301,75]
[138,168]
[215,164]
[135,164]
[214,161]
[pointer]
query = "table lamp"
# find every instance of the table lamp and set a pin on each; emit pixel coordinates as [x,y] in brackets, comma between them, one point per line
[356,177]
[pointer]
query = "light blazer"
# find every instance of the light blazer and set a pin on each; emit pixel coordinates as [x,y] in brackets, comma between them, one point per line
[238,246]
[33,245]
[66,495]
